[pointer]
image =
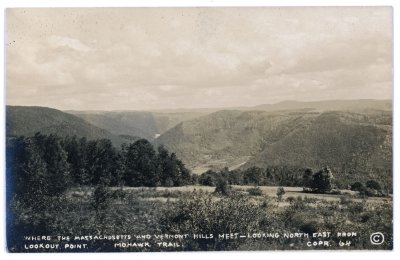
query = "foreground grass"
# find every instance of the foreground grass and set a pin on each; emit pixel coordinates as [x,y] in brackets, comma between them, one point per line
[197,210]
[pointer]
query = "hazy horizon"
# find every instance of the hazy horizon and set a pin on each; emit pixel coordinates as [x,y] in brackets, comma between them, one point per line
[115,59]
[204,108]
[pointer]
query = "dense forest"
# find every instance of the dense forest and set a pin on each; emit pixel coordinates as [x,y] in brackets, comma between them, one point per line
[50,164]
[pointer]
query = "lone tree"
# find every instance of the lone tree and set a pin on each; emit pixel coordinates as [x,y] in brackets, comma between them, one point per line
[322,181]
[280,192]
[222,187]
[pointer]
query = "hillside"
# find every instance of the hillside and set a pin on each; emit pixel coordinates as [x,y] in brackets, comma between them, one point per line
[140,124]
[229,137]
[135,123]
[21,120]
[351,143]
[151,124]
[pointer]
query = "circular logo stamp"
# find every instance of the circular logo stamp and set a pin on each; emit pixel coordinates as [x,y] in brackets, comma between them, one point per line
[377,238]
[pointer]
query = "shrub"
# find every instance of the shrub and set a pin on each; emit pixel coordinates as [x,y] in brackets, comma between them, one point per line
[222,187]
[309,227]
[256,191]
[202,214]
[290,199]
[310,200]
[344,200]
[280,192]
[373,185]
[357,186]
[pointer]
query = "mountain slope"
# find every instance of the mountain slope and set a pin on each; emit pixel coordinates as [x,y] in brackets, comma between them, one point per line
[353,144]
[229,137]
[150,124]
[140,124]
[135,123]
[21,120]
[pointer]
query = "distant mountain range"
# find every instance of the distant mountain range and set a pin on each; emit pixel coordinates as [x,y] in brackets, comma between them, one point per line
[329,105]
[352,137]
[141,124]
[326,105]
[150,124]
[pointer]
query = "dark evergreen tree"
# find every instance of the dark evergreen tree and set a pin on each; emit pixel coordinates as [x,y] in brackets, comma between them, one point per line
[307,178]
[208,178]
[185,177]
[165,166]
[141,167]
[58,177]
[29,171]
[39,166]
[175,171]
[252,176]
[373,185]
[101,162]
[76,155]
[357,186]
[322,181]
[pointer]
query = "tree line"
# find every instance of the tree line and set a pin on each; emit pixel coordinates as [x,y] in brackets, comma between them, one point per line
[269,176]
[317,182]
[320,181]
[49,164]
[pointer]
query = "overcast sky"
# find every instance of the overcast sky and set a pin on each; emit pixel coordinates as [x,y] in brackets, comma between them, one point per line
[154,58]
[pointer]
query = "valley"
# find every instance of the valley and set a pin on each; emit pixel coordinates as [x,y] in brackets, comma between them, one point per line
[353,137]
[202,171]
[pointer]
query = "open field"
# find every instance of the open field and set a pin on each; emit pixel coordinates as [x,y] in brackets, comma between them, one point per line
[172,193]
[198,210]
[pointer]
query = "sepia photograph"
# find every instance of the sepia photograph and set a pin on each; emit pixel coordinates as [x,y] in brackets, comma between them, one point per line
[169,129]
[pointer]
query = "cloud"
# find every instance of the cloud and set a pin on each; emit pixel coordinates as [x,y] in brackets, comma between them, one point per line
[151,58]
[62,41]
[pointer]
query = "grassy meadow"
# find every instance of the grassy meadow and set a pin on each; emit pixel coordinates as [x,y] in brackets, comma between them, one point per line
[202,216]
